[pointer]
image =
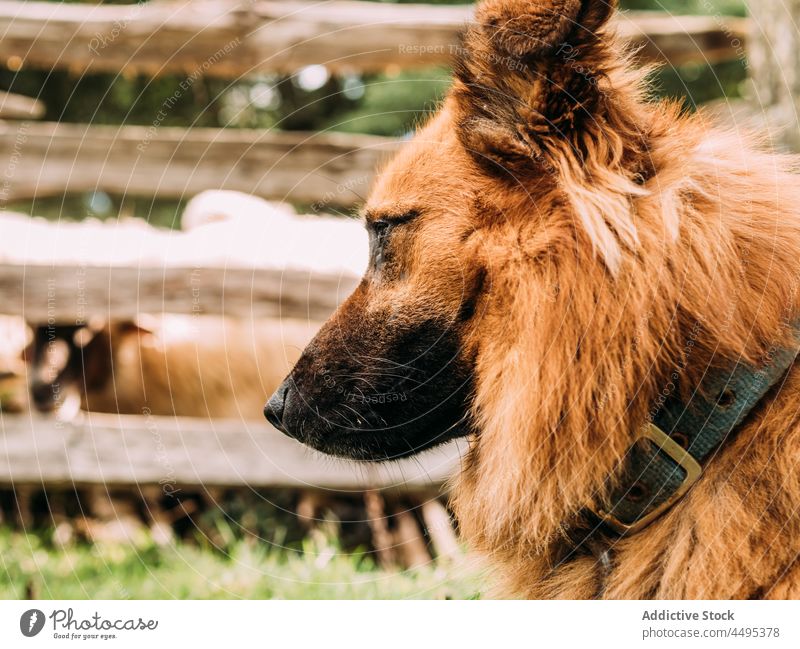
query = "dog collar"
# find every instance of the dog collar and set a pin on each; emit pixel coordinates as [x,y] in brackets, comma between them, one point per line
[667,459]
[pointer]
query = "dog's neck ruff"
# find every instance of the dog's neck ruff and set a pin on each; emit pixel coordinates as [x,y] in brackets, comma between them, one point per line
[667,459]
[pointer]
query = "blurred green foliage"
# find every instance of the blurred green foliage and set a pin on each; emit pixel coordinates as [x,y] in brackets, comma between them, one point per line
[164,213]
[393,103]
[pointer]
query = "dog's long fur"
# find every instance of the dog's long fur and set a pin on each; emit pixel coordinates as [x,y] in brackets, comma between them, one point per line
[606,250]
[628,284]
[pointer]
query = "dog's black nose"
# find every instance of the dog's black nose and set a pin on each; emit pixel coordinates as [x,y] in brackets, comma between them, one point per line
[273,411]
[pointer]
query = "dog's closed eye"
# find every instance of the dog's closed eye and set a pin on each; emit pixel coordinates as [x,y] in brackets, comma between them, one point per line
[380,230]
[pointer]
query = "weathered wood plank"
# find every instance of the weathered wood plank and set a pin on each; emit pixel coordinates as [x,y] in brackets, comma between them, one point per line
[676,40]
[774,58]
[69,294]
[46,158]
[176,452]
[14,106]
[228,39]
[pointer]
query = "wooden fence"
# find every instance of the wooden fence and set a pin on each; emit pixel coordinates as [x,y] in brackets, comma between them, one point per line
[229,40]
[177,163]
[183,37]
[64,294]
[133,449]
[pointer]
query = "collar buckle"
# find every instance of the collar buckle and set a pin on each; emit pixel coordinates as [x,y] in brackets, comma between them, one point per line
[682,458]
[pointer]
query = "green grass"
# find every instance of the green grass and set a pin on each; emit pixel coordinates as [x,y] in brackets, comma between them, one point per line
[187,570]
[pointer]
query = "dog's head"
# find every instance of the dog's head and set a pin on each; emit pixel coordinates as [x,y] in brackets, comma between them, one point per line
[393,371]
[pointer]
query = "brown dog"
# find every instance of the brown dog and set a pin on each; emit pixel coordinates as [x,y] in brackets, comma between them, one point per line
[549,254]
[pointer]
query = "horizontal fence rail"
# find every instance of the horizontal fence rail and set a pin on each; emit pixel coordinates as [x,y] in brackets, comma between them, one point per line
[53,159]
[173,452]
[73,293]
[229,39]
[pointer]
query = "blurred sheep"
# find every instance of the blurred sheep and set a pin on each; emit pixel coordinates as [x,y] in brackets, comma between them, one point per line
[170,365]
[238,227]
[220,229]
[15,336]
[217,205]
[175,364]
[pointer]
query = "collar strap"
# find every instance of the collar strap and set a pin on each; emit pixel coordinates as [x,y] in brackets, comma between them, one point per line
[667,459]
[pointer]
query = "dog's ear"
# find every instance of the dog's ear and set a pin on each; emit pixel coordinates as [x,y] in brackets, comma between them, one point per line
[529,71]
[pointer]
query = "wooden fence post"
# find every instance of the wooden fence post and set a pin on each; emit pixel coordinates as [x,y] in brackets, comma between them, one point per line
[774,58]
